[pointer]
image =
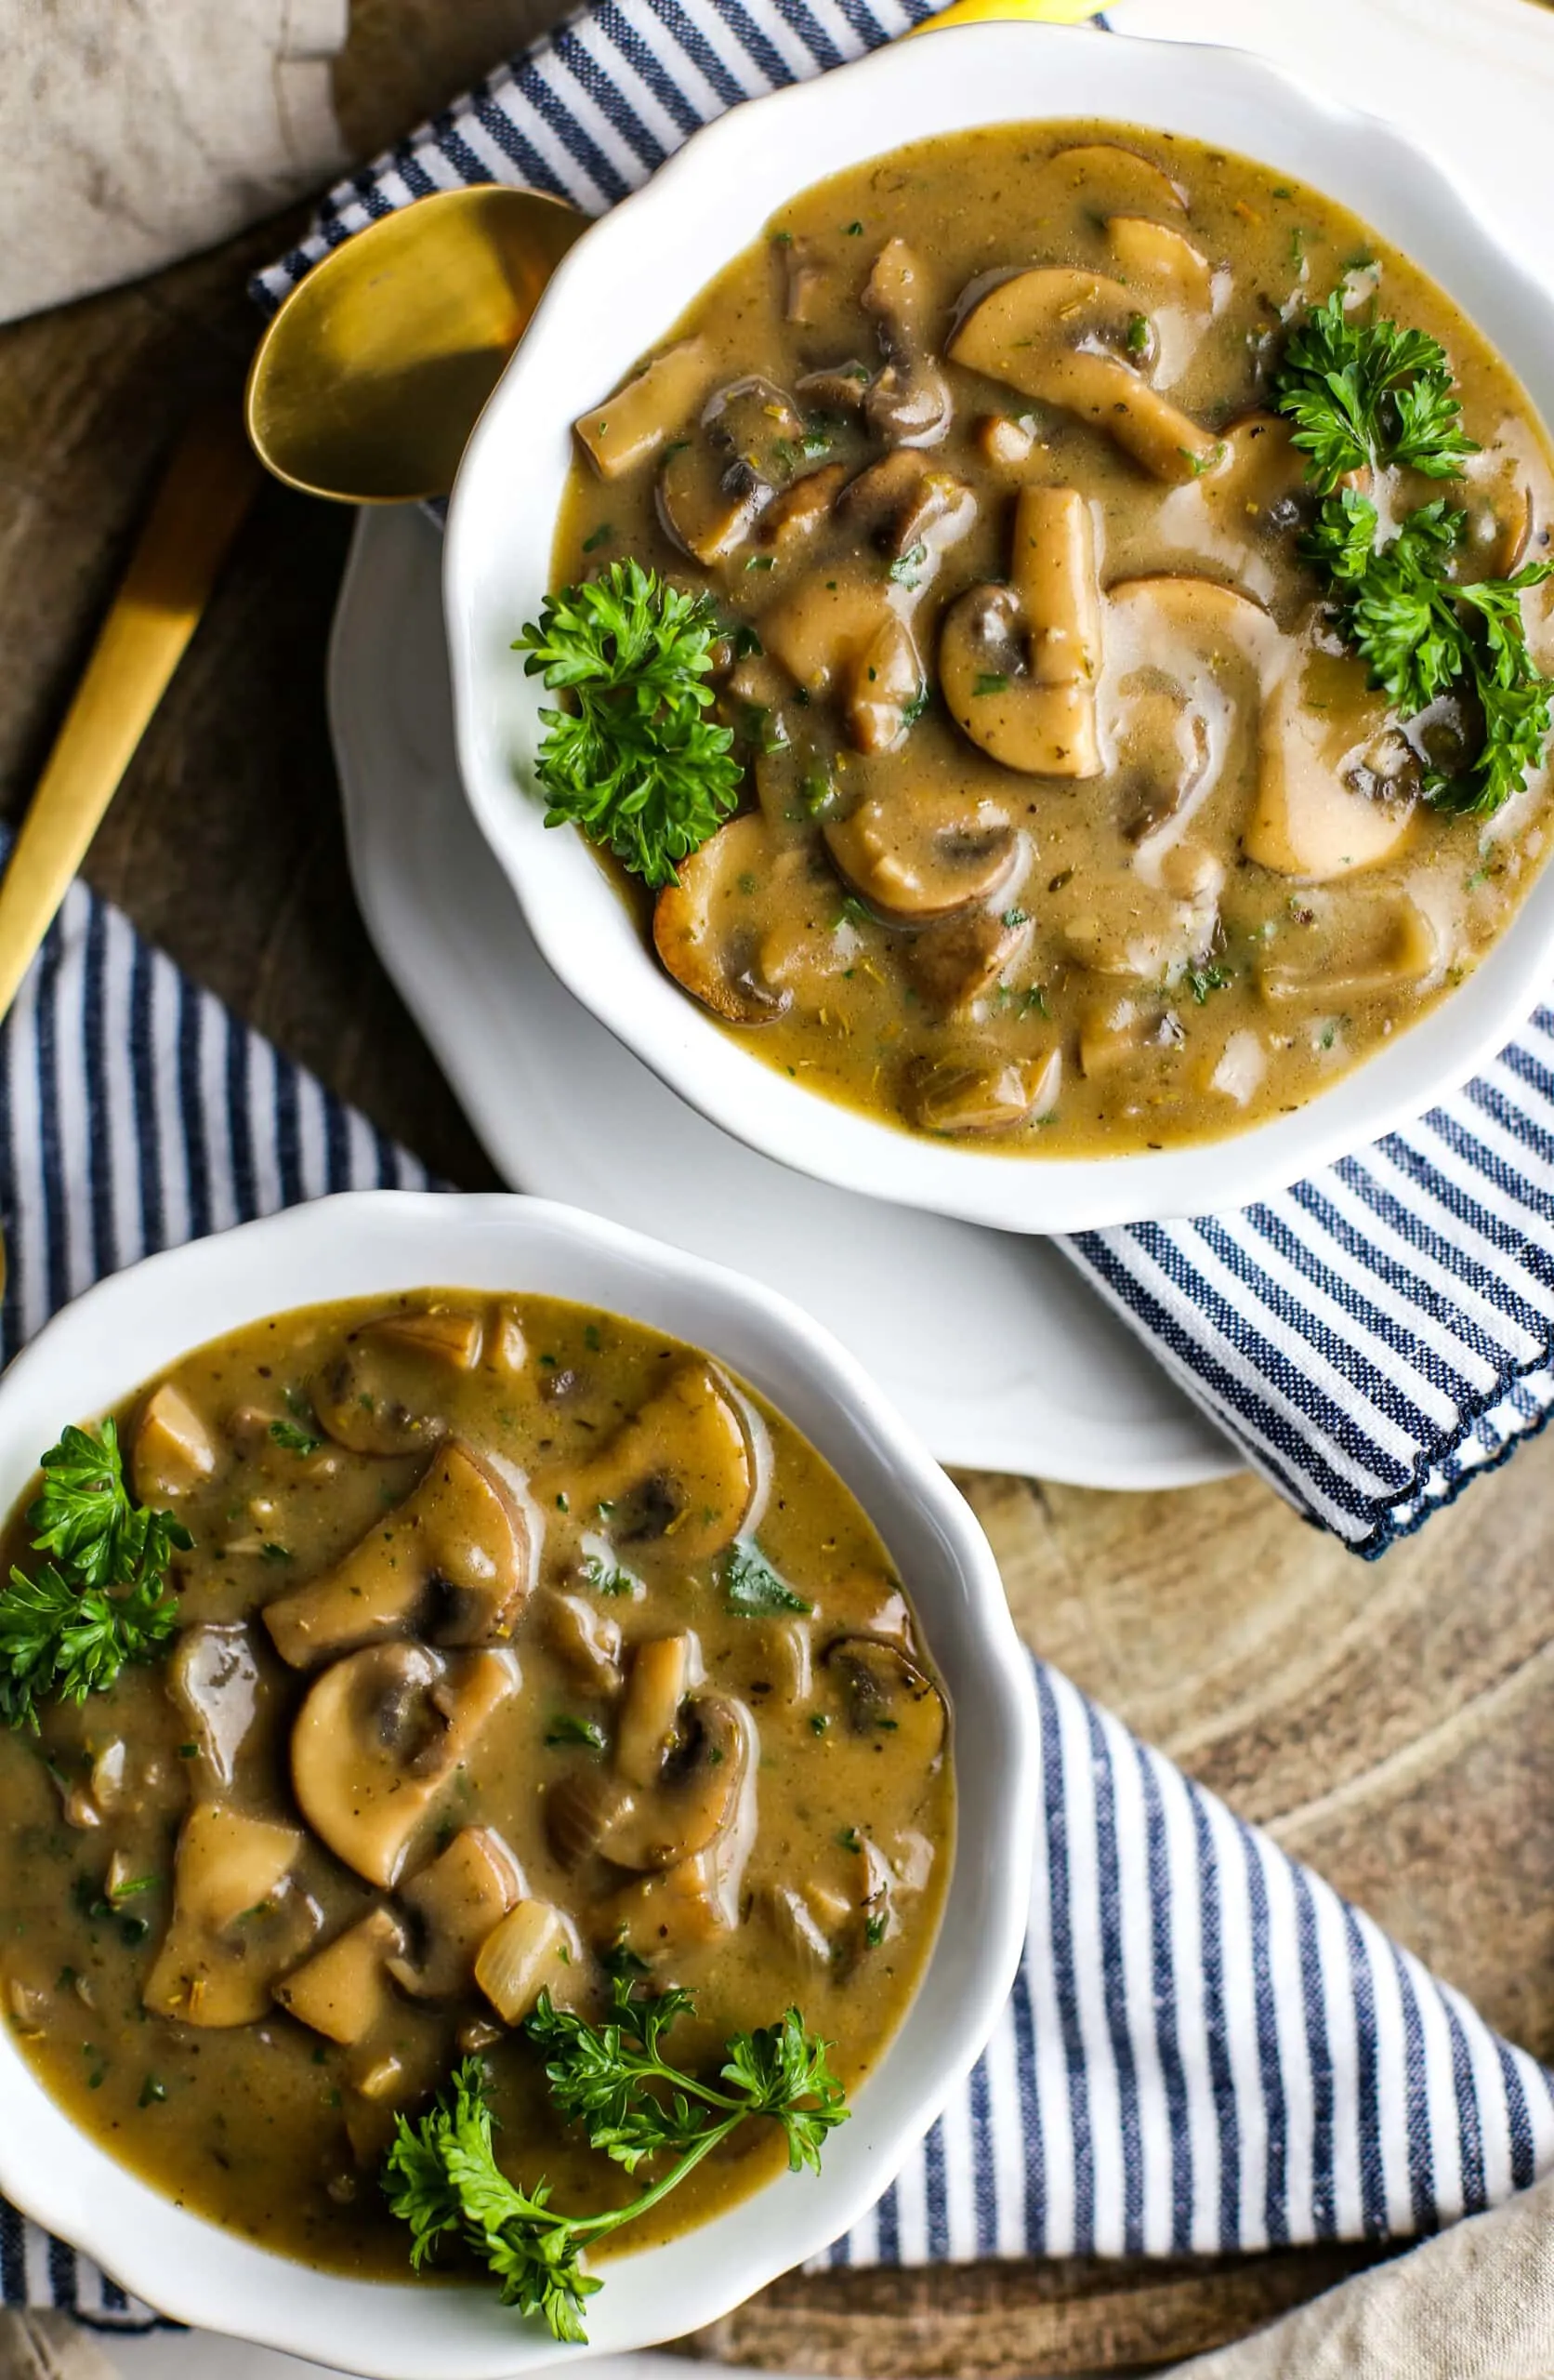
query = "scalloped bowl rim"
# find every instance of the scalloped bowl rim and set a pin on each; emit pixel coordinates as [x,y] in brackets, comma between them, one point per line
[118,1334]
[629,277]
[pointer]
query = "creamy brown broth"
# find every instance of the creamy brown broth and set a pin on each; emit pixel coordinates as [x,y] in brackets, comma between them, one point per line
[1189,881]
[519,1503]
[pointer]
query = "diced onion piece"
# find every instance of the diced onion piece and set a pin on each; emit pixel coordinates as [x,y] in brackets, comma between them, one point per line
[531,1952]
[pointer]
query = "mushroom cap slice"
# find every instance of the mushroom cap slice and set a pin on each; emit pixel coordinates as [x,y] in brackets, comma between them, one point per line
[714,488]
[172,1450]
[908,403]
[886,689]
[1375,946]
[904,501]
[377,1739]
[680,1472]
[460,1539]
[372,1398]
[1321,813]
[662,1671]
[707,928]
[1018,664]
[931,856]
[214,1680]
[1157,253]
[630,426]
[456,1902]
[1062,335]
[236,1923]
[343,1990]
[1111,180]
[976,1094]
[953,965]
[882,1690]
[696,1796]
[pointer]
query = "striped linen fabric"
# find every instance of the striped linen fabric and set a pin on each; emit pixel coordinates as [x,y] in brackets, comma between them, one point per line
[1207,2049]
[1372,1341]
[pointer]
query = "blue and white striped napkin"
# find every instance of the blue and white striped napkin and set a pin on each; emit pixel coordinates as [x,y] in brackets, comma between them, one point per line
[1207,2049]
[1375,1337]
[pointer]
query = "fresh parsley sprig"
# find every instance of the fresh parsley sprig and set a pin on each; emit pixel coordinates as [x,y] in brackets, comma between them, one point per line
[101,1602]
[636,763]
[1426,634]
[442,2177]
[1362,394]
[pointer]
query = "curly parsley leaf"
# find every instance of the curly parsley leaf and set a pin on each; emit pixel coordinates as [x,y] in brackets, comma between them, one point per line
[751,1585]
[101,1602]
[636,763]
[1361,394]
[615,2081]
[1426,634]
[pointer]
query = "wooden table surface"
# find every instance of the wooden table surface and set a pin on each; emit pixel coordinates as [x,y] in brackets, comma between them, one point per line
[1389,1722]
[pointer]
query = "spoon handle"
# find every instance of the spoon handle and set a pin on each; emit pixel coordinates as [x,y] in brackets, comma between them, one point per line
[196,513]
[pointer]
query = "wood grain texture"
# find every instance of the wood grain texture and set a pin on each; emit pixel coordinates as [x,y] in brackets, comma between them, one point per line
[1389,1722]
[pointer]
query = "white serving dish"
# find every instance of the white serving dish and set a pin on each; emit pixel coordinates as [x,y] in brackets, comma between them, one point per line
[618,292]
[100,1348]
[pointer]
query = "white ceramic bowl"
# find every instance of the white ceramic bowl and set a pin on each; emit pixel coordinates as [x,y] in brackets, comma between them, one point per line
[121,1332]
[618,293]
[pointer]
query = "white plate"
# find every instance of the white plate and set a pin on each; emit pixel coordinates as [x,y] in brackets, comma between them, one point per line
[991,1344]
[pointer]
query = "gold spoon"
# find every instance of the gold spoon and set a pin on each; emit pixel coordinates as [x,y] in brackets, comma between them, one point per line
[371,376]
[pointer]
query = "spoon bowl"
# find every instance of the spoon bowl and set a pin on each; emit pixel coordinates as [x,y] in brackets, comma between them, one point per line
[372,375]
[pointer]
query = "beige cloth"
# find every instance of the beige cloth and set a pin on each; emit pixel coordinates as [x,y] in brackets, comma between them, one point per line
[48,2346]
[1476,2303]
[135,131]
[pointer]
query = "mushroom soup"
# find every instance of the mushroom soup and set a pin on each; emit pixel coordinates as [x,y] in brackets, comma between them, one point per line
[1068,813]
[517,1649]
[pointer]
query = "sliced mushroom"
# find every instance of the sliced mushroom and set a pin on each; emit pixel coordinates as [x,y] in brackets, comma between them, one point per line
[696,1795]
[1322,811]
[837,388]
[1006,444]
[1066,337]
[378,1738]
[446,1335]
[903,501]
[1162,749]
[372,1399]
[684,1907]
[1236,519]
[534,1948]
[343,1991]
[681,1471]
[1108,180]
[793,518]
[213,1679]
[954,965]
[586,1642]
[460,1551]
[1112,1032]
[1373,948]
[456,1903]
[1018,664]
[714,488]
[662,1671]
[631,426]
[708,929]
[883,1692]
[172,1450]
[1155,253]
[933,854]
[847,629]
[887,691]
[237,1922]
[908,402]
[955,1095]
